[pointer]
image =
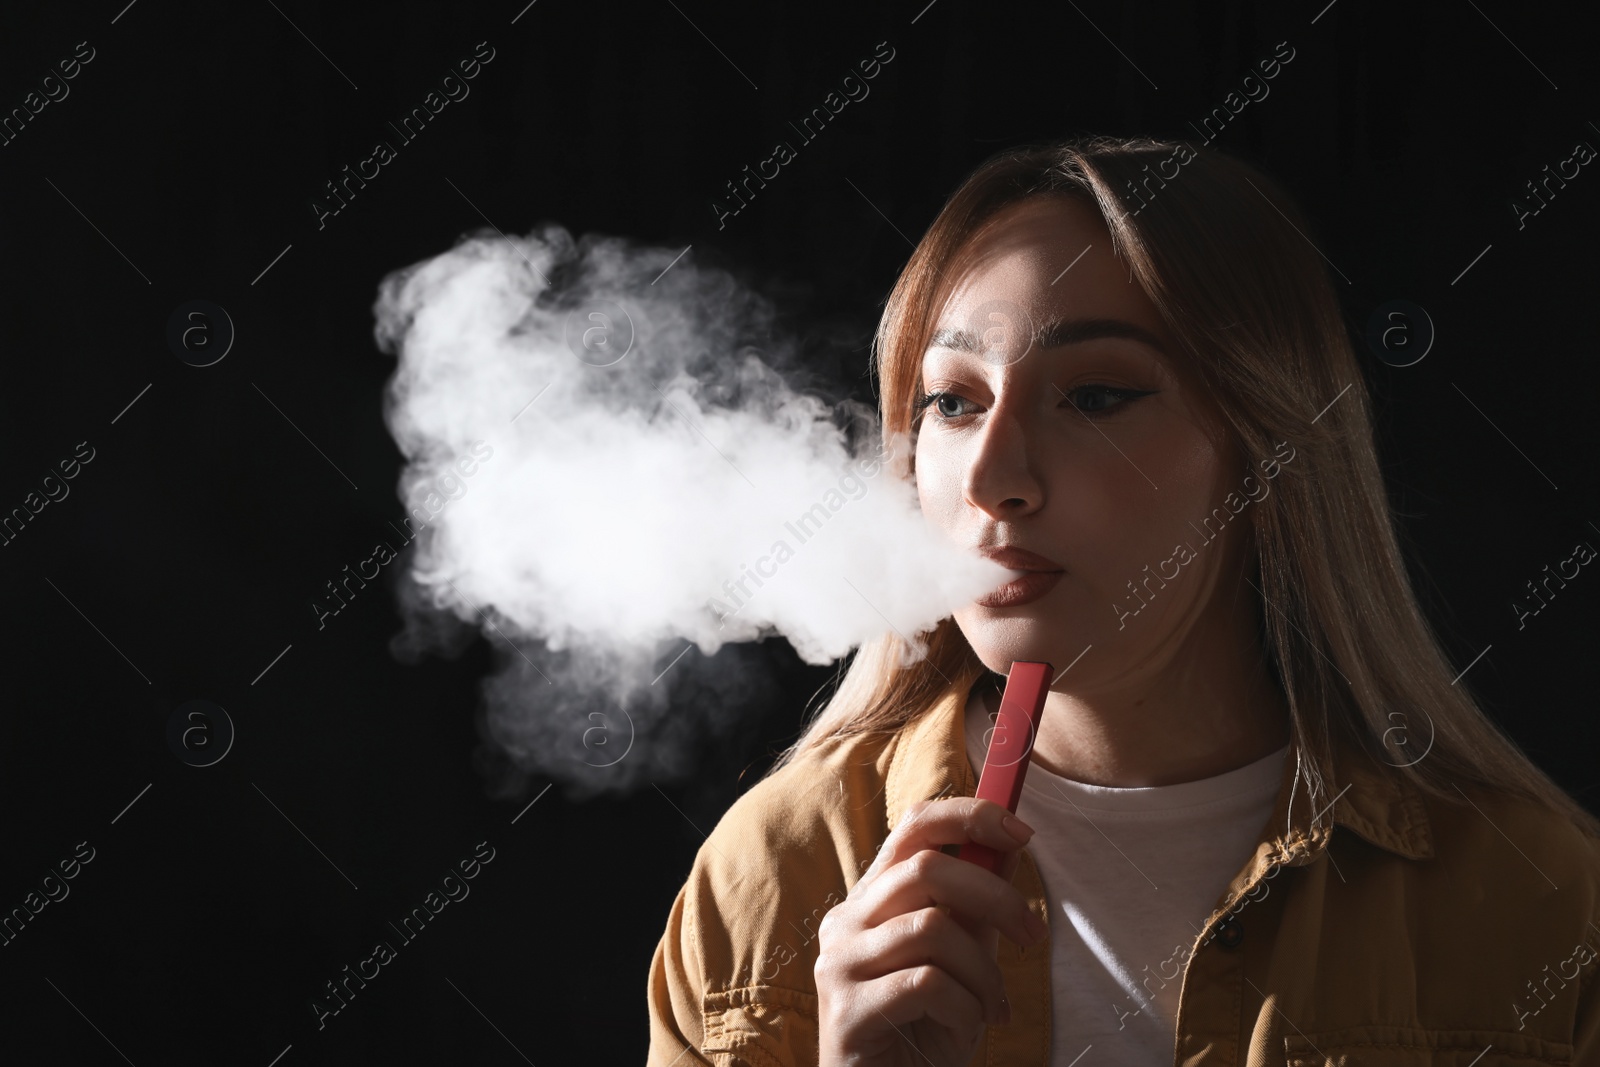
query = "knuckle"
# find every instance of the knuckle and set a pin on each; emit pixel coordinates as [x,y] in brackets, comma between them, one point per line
[914,812]
[922,865]
[922,979]
[938,927]
[925,925]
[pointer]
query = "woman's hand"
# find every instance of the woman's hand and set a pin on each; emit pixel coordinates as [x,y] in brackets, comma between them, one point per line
[895,969]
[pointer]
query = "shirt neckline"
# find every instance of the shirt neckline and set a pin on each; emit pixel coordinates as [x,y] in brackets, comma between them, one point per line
[1258,778]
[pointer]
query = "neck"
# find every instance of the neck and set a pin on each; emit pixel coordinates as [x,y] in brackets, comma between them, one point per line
[1202,713]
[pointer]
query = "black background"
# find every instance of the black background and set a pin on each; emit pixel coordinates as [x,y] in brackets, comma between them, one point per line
[184,559]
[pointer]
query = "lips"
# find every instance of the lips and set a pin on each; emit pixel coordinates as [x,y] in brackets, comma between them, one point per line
[1039,576]
[1020,559]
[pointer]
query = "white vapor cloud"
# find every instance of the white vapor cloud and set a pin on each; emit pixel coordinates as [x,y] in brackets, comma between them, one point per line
[647,459]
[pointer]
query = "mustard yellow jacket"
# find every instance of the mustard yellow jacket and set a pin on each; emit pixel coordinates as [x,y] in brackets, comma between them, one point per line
[1428,933]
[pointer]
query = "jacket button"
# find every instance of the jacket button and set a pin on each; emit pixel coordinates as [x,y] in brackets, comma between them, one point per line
[1230,933]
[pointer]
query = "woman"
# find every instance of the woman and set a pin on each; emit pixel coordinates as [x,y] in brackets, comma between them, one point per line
[1264,821]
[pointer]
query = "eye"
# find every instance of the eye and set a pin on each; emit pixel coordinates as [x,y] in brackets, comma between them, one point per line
[1096,406]
[938,397]
[1121,398]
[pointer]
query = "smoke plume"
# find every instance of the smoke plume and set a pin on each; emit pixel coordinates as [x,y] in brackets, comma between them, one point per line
[606,469]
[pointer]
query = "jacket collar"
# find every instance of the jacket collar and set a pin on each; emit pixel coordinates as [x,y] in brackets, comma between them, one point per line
[1385,809]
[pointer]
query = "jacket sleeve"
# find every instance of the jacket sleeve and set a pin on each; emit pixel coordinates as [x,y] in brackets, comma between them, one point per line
[1586,1022]
[677,1028]
[731,982]
[1586,1029]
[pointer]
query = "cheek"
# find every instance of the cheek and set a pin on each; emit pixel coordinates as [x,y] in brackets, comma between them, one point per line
[1101,516]
[1113,521]
[1191,458]
[933,473]
[1197,483]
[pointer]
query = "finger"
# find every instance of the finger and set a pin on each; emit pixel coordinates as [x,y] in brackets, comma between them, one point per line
[925,992]
[932,878]
[1009,862]
[930,824]
[929,936]
[988,936]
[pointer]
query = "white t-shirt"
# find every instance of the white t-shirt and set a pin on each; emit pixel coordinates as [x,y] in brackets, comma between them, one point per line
[1130,875]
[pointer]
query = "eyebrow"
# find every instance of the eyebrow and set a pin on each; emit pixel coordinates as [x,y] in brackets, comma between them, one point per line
[1055,333]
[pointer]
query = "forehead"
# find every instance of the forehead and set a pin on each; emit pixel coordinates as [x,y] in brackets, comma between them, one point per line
[1044,245]
[1038,264]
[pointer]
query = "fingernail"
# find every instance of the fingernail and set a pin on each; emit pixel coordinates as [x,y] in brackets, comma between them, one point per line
[1005,1011]
[1017,828]
[1037,927]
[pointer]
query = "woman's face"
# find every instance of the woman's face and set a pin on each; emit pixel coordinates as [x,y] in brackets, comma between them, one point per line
[1039,442]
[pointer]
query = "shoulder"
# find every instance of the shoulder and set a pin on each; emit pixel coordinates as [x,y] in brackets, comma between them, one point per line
[785,852]
[743,943]
[1509,841]
[1524,879]
[1483,905]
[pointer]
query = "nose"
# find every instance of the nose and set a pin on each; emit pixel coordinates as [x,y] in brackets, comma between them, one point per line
[1000,479]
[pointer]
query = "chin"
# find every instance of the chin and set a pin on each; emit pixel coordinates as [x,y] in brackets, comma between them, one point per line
[1000,642]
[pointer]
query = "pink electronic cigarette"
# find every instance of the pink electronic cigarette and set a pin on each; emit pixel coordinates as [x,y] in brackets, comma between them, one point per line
[1015,728]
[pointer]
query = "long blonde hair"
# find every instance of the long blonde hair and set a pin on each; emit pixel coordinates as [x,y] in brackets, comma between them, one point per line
[1228,261]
